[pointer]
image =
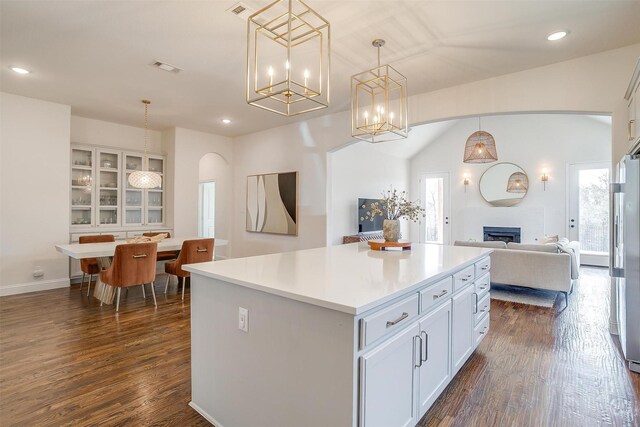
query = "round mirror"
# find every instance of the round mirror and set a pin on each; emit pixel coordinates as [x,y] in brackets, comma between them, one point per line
[504,184]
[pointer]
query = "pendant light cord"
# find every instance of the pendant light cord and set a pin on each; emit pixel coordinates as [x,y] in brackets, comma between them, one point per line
[146,122]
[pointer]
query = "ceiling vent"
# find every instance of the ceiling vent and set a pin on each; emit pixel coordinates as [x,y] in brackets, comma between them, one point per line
[166,67]
[241,10]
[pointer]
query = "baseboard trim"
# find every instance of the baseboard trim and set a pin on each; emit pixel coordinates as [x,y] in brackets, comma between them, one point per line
[41,285]
[204,414]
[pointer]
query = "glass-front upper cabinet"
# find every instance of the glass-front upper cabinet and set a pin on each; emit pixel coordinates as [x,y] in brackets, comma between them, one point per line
[82,161]
[108,187]
[155,196]
[133,197]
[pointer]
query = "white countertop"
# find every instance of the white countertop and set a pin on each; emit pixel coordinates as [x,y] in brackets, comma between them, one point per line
[350,278]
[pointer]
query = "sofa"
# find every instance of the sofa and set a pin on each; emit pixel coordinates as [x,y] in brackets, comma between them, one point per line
[551,266]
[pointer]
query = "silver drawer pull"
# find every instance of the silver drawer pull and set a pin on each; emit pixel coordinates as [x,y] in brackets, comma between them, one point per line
[483,288]
[441,294]
[485,331]
[201,250]
[486,267]
[140,256]
[398,320]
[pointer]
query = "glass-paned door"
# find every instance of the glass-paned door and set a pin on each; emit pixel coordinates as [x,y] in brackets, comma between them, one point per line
[133,197]
[155,196]
[82,187]
[207,209]
[589,211]
[435,200]
[108,187]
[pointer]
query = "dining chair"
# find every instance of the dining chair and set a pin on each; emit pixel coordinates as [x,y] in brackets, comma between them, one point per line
[90,265]
[133,264]
[192,252]
[164,255]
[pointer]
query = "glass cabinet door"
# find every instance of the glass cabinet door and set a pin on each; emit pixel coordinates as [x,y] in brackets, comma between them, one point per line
[81,187]
[155,196]
[133,197]
[108,187]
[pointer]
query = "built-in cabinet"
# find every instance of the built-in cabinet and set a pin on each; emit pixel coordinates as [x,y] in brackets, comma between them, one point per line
[414,347]
[101,195]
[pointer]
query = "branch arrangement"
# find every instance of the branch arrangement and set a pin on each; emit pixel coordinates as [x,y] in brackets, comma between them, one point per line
[395,205]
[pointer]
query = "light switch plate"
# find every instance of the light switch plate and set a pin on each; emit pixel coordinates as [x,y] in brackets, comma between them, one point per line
[243,319]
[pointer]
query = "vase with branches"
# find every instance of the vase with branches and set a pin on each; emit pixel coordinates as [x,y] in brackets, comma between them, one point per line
[393,206]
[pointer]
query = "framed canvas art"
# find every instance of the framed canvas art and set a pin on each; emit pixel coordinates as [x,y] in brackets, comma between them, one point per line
[272,203]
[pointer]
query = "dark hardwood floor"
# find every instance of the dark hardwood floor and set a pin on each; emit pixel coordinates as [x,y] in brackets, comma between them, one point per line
[66,361]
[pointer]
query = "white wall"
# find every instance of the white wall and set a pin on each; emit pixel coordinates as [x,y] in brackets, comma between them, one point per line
[359,171]
[187,147]
[533,142]
[34,193]
[594,83]
[98,132]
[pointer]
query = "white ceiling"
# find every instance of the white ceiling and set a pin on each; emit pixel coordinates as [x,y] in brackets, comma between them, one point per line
[95,55]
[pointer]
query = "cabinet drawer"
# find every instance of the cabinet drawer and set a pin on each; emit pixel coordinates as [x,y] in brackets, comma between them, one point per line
[483,285]
[483,307]
[481,330]
[387,320]
[483,266]
[435,293]
[463,278]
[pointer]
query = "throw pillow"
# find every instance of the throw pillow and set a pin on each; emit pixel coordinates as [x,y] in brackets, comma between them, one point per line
[548,239]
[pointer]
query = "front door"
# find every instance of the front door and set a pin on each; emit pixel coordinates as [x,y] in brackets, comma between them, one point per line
[435,226]
[588,220]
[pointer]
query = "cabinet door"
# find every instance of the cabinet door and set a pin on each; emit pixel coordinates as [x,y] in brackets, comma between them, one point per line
[155,196]
[82,186]
[636,100]
[108,187]
[435,372]
[462,326]
[387,381]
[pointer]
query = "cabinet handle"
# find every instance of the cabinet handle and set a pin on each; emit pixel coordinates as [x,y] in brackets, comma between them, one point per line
[486,267]
[398,320]
[475,306]
[483,288]
[441,294]
[629,128]
[418,363]
[484,331]
[426,347]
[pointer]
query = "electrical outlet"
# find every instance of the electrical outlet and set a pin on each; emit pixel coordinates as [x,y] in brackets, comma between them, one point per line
[243,319]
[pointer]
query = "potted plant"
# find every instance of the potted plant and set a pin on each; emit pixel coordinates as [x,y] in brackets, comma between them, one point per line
[393,206]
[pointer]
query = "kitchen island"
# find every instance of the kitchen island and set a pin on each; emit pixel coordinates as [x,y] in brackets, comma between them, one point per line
[334,336]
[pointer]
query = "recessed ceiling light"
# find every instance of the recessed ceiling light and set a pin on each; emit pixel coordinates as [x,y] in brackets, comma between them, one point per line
[557,35]
[19,70]
[226,121]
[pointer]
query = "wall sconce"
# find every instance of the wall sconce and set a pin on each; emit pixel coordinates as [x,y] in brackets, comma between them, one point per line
[466,181]
[544,178]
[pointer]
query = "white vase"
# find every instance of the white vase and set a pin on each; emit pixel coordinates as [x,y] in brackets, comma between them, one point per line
[391,230]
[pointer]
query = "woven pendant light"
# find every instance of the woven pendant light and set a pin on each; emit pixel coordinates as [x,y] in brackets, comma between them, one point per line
[145,179]
[480,147]
[518,183]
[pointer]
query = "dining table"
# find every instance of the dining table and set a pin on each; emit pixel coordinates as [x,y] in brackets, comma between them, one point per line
[104,251]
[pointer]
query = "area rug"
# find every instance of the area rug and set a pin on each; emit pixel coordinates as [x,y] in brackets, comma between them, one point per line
[537,297]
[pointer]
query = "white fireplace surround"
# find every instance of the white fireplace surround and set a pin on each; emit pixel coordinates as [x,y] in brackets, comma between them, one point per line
[530,220]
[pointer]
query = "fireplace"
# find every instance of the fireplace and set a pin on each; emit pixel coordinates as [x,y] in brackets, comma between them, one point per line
[502,234]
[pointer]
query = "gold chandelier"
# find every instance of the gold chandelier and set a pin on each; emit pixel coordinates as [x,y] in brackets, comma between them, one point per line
[379,103]
[480,147]
[145,179]
[288,58]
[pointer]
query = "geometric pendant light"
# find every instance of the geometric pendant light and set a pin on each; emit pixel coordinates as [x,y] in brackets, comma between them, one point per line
[518,183]
[145,179]
[480,147]
[288,58]
[379,103]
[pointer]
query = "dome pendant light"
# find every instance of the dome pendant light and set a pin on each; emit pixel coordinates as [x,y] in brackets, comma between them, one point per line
[145,179]
[518,183]
[480,147]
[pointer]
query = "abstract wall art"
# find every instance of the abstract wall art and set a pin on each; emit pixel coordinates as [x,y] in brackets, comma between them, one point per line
[272,203]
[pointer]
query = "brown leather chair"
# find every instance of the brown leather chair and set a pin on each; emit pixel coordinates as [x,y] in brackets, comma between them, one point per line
[133,264]
[164,255]
[192,252]
[90,265]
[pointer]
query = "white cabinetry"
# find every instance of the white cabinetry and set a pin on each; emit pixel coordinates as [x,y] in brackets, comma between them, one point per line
[462,326]
[387,378]
[633,103]
[143,207]
[435,370]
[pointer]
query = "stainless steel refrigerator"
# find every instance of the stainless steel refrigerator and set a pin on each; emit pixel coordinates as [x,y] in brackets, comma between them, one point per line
[625,256]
